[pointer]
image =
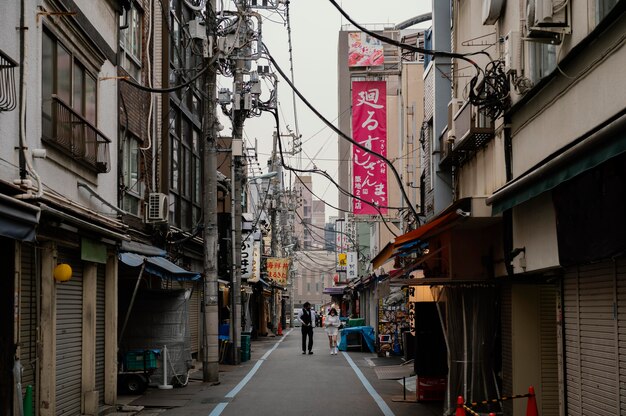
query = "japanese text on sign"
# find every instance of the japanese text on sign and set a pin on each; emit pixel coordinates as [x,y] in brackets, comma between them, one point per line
[369,129]
[278,269]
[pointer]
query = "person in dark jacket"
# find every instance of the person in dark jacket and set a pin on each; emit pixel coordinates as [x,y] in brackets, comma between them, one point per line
[307,318]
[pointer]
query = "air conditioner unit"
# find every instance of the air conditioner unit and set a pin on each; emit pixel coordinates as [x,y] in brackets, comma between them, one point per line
[453,108]
[512,53]
[158,208]
[546,20]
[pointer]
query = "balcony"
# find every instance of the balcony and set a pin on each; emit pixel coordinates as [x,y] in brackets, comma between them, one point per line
[470,130]
[8,96]
[74,135]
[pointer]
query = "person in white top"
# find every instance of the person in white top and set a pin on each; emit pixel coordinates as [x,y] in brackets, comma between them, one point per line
[332,329]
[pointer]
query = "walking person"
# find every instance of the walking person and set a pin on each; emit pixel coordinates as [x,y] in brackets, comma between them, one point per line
[307,318]
[332,329]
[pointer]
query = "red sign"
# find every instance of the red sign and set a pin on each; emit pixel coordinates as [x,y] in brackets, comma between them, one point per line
[369,128]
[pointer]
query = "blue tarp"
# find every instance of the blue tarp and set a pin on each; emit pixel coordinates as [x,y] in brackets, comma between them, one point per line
[367,334]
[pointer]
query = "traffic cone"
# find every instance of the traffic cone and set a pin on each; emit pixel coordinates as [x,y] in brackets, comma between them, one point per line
[460,410]
[280,329]
[531,406]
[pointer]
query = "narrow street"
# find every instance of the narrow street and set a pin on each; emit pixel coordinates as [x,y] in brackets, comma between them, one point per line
[280,380]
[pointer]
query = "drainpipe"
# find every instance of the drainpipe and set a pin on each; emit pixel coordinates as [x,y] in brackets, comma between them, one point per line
[507,215]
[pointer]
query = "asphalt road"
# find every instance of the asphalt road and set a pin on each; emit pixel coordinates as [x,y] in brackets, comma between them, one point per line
[279,380]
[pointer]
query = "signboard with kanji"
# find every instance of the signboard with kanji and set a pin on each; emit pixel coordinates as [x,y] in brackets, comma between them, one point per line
[278,269]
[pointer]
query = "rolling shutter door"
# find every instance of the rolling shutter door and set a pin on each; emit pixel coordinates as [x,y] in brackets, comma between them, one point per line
[621,321]
[100,305]
[28,317]
[549,353]
[591,357]
[194,315]
[507,347]
[69,329]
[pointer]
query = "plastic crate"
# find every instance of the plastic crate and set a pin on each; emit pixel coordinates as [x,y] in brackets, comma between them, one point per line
[430,388]
[137,360]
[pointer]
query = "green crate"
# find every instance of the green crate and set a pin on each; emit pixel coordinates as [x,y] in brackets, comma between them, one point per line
[140,360]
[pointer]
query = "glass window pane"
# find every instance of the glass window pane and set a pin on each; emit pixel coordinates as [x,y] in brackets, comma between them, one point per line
[77,87]
[90,99]
[174,164]
[197,180]
[64,74]
[135,27]
[187,178]
[47,83]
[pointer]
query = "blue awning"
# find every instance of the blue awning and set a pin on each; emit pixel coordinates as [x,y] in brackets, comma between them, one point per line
[158,266]
[18,219]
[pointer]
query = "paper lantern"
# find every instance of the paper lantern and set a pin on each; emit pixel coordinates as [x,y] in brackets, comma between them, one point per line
[62,272]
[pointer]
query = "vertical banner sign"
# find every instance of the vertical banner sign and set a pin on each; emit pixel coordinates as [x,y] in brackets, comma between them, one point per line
[256,262]
[340,245]
[369,128]
[353,263]
[277,269]
[246,258]
[413,298]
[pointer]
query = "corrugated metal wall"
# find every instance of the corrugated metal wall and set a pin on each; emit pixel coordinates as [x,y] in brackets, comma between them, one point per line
[507,347]
[592,355]
[28,318]
[100,309]
[69,330]
[549,353]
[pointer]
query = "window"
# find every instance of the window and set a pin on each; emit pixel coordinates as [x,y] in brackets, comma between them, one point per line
[542,60]
[308,287]
[185,169]
[603,7]
[130,41]
[130,167]
[69,106]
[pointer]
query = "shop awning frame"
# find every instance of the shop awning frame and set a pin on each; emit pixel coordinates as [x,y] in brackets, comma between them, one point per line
[158,266]
[18,219]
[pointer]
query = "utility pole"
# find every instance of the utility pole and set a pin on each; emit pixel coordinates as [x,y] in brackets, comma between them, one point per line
[274,227]
[210,345]
[239,116]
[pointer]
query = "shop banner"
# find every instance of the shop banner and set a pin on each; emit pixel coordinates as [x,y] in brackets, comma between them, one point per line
[246,258]
[364,50]
[369,128]
[278,269]
[256,262]
[352,265]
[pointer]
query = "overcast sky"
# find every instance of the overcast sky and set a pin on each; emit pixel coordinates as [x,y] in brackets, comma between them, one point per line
[314,27]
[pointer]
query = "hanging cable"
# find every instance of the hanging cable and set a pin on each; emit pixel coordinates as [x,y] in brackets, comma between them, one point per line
[345,136]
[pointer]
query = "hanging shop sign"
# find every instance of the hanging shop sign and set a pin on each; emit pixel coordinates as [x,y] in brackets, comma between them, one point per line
[246,258]
[352,263]
[278,269]
[256,262]
[369,129]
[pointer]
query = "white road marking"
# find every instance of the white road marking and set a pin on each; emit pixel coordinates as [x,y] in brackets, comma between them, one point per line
[379,400]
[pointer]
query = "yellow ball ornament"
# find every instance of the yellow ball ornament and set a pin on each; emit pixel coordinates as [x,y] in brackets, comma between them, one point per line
[62,272]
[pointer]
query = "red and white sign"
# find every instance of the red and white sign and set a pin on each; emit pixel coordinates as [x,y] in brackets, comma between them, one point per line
[369,128]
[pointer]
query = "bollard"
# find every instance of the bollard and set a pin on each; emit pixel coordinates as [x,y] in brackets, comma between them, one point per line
[460,411]
[165,386]
[280,329]
[531,406]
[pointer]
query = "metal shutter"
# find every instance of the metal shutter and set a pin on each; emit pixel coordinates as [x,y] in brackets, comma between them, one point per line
[549,353]
[591,357]
[69,330]
[28,317]
[100,305]
[507,347]
[621,322]
[194,315]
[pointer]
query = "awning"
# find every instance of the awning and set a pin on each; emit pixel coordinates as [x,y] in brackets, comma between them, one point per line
[408,243]
[158,266]
[594,149]
[337,290]
[18,219]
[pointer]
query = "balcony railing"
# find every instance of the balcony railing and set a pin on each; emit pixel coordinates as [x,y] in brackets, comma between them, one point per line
[8,96]
[73,134]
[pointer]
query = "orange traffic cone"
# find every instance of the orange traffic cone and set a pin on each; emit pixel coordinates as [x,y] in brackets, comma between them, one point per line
[280,329]
[460,410]
[531,406]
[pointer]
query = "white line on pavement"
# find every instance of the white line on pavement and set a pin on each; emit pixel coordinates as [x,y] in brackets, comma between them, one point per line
[379,400]
[221,406]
